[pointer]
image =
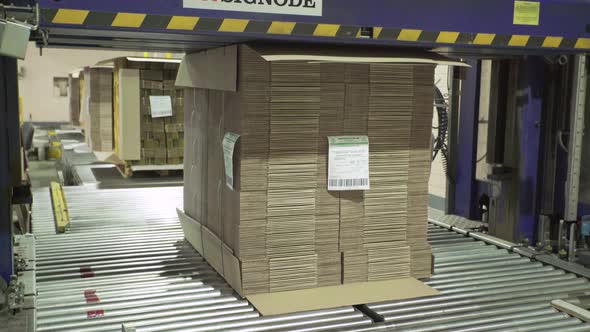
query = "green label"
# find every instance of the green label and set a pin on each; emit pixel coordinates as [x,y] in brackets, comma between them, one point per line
[348,140]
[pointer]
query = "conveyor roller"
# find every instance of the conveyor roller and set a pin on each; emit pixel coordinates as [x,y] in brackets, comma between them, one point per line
[124,260]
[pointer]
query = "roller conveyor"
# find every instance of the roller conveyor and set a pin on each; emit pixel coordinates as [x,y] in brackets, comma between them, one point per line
[124,261]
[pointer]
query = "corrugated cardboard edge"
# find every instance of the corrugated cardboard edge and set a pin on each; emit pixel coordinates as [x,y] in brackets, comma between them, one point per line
[213,248]
[217,254]
[340,296]
[222,259]
[108,157]
[340,53]
[110,63]
[202,69]
[215,69]
[192,231]
[353,59]
[232,270]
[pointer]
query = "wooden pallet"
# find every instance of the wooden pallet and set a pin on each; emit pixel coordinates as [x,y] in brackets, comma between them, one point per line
[128,171]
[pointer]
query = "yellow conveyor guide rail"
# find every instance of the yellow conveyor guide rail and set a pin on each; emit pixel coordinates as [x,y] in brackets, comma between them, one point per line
[60,208]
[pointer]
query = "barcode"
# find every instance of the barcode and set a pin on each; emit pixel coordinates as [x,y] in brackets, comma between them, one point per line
[345,183]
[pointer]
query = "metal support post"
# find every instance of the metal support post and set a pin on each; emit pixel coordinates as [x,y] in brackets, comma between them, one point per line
[577,118]
[10,164]
[572,243]
[529,106]
[544,233]
[572,188]
[455,97]
[465,200]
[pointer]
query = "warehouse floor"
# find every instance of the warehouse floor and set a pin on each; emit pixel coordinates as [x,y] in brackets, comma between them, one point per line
[13,323]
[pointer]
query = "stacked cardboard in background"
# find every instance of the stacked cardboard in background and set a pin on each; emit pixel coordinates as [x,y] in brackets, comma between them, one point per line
[82,98]
[74,95]
[160,140]
[98,108]
[280,229]
[419,173]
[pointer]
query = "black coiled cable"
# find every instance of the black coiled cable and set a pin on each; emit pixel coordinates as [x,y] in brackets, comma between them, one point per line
[440,142]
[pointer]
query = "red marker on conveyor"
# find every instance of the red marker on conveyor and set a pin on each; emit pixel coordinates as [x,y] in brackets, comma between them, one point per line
[86,272]
[92,314]
[91,296]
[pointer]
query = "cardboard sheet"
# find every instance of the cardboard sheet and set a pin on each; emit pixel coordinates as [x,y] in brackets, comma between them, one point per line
[192,231]
[281,230]
[338,296]
[212,246]
[129,115]
[339,53]
[108,157]
[201,70]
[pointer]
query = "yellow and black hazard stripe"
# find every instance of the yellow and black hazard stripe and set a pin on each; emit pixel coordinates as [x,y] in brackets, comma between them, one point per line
[205,24]
[198,24]
[484,39]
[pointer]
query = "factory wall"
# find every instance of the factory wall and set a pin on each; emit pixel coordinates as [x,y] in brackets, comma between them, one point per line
[41,100]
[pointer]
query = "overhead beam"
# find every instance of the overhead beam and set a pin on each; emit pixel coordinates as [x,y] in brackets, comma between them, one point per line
[424,23]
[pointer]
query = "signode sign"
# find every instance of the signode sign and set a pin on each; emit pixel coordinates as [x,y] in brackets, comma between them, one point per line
[289,7]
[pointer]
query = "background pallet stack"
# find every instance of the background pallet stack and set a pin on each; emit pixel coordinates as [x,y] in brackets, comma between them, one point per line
[280,222]
[161,139]
[74,95]
[97,106]
[82,98]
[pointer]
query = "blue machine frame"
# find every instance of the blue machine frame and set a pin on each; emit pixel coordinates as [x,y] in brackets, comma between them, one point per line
[10,162]
[455,26]
[530,109]
[460,27]
[563,24]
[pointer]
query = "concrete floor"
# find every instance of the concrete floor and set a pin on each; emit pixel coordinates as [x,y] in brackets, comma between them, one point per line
[14,323]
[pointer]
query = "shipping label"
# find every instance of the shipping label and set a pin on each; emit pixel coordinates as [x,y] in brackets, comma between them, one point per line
[348,163]
[229,145]
[161,106]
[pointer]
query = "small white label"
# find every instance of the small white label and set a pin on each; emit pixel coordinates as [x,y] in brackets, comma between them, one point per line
[348,167]
[289,7]
[229,145]
[161,106]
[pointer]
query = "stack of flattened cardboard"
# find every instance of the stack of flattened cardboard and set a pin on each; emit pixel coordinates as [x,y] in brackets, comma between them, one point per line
[267,221]
[147,138]
[98,108]
[292,172]
[420,161]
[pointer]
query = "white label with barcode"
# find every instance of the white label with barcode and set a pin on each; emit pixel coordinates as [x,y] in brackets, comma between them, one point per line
[348,167]
[229,145]
[161,106]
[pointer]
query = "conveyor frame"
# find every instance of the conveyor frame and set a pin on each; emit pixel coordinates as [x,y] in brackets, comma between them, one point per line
[118,265]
